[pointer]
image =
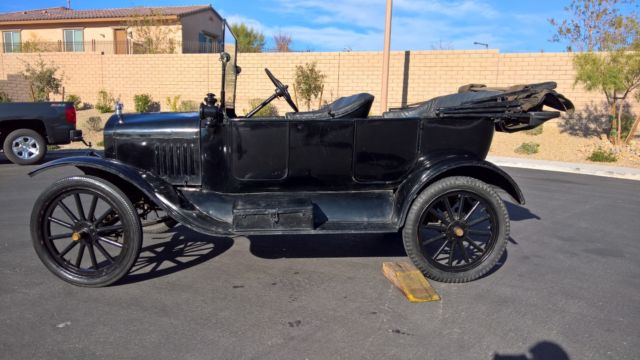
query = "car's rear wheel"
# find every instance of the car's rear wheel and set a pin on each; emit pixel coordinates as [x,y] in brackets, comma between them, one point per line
[24,147]
[456,230]
[86,231]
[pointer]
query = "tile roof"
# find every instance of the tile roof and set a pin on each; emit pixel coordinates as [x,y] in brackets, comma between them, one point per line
[63,13]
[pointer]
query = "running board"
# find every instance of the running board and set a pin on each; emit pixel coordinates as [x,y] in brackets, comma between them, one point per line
[300,212]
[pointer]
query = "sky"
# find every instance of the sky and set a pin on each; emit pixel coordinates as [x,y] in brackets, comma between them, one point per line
[358,25]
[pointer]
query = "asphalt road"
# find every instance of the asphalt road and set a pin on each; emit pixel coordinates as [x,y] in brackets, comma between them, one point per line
[568,288]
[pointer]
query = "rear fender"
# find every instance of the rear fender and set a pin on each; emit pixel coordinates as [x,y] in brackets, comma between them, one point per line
[163,194]
[428,173]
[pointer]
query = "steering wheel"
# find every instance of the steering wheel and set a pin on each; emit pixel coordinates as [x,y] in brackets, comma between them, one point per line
[282,90]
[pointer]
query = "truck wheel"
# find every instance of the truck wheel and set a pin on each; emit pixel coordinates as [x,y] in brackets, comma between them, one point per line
[456,230]
[86,231]
[24,147]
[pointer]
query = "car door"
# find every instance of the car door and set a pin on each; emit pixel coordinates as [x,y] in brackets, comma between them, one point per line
[321,151]
[385,149]
[259,149]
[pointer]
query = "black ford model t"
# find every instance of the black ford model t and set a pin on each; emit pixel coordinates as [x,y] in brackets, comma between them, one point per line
[419,170]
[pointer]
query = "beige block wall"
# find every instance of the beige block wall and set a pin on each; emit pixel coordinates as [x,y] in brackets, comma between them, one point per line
[415,76]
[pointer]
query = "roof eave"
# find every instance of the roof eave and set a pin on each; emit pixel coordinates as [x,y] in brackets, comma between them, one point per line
[84,20]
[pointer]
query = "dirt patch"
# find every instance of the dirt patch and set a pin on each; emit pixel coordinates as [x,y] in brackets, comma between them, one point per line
[560,145]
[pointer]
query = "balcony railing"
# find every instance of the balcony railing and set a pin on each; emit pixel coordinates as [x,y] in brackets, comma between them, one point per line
[115,47]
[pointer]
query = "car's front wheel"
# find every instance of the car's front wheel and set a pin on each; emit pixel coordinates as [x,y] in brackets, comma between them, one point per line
[456,230]
[24,147]
[86,231]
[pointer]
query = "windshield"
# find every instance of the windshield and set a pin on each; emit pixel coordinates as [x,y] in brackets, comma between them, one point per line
[230,47]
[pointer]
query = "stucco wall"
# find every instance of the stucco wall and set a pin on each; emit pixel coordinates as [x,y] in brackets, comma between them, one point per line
[194,24]
[414,76]
[98,37]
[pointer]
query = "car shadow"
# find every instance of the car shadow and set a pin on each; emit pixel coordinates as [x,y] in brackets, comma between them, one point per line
[519,213]
[544,350]
[184,249]
[327,246]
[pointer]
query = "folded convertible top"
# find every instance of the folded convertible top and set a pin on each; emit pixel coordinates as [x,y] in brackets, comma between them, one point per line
[477,100]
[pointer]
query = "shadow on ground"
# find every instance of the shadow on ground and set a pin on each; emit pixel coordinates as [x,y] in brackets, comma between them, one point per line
[519,213]
[184,249]
[327,246]
[544,350]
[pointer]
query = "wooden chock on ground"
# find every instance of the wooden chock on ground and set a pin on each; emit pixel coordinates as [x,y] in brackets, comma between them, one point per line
[410,281]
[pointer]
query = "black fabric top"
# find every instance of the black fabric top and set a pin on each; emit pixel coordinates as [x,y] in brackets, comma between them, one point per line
[351,107]
[477,99]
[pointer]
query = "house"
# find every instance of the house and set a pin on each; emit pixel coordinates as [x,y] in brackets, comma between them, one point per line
[179,29]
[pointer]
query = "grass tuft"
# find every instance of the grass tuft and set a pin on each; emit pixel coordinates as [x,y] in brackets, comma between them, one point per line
[601,155]
[528,148]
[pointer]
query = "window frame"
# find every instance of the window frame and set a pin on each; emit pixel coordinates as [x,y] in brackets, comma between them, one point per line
[15,48]
[76,46]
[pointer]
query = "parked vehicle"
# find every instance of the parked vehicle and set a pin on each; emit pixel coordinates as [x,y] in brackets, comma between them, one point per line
[420,170]
[27,128]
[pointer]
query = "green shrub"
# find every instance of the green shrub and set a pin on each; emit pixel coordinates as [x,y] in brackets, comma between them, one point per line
[143,103]
[268,111]
[100,143]
[4,97]
[601,155]
[105,103]
[94,123]
[308,84]
[535,131]
[189,106]
[627,122]
[75,99]
[43,79]
[528,148]
[53,147]
[173,103]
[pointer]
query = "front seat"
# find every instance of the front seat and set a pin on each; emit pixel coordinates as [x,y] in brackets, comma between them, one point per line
[348,107]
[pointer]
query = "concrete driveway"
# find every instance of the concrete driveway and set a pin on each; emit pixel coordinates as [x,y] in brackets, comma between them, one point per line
[568,288]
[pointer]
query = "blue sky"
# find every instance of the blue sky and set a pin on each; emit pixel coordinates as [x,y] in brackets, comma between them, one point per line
[325,25]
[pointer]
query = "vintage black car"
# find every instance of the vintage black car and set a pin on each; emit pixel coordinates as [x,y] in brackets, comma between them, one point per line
[420,170]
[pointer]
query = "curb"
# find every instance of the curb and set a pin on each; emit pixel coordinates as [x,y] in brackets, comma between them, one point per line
[566,167]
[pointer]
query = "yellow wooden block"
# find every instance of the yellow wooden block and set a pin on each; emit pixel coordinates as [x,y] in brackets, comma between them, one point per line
[410,281]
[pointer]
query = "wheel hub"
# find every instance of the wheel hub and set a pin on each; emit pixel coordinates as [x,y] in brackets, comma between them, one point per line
[456,230]
[83,231]
[25,147]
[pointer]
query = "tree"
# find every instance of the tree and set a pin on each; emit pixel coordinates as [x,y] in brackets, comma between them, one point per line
[283,42]
[42,79]
[249,40]
[309,83]
[599,25]
[153,34]
[595,25]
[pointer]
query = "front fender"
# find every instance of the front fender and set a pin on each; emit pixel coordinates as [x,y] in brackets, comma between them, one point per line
[429,172]
[156,189]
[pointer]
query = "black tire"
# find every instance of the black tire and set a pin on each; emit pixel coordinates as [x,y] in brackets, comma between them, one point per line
[24,147]
[109,229]
[444,217]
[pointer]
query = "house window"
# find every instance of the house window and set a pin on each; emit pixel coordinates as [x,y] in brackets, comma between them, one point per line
[207,43]
[11,41]
[73,40]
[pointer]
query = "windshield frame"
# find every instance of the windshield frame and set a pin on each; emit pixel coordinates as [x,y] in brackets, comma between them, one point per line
[231,77]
